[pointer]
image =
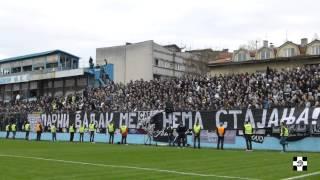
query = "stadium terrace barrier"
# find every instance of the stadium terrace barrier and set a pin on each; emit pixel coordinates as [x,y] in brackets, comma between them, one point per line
[304,125]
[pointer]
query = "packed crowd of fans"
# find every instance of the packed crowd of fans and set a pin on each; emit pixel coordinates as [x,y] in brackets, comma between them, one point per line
[298,87]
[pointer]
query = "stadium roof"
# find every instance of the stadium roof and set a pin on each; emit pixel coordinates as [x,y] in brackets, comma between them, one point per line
[35,55]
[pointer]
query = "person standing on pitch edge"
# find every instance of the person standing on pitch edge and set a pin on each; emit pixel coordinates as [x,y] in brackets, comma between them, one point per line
[81,131]
[14,130]
[284,133]
[196,134]
[71,131]
[169,131]
[111,132]
[220,133]
[92,129]
[53,132]
[38,130]
[181,130]
[27,129]
[8,130]
[124,134]
[248,130]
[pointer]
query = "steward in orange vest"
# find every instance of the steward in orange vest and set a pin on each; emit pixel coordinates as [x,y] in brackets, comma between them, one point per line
[38,130]
[124,133]
[220,133]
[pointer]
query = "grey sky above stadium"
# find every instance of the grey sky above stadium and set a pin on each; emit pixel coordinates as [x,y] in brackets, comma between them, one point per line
[80,26]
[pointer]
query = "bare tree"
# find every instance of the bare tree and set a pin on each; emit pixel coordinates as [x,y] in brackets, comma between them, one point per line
[251,45]
[197,62]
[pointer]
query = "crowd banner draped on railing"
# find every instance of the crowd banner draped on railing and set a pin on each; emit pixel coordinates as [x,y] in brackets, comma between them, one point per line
[305,118]
[232,119]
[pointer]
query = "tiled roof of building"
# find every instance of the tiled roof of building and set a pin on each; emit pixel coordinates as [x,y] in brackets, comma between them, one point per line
[222,57]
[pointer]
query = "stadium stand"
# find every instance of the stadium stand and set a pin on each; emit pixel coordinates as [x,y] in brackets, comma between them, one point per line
[298,87]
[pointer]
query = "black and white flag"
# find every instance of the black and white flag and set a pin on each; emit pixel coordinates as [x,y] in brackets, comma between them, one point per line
[300,163]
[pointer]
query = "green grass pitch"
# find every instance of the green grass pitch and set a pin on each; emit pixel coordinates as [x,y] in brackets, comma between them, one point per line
[61,160]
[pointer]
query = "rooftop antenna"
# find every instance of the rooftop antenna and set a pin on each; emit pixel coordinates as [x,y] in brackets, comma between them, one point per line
[286,35]
[315,36]
[266,36]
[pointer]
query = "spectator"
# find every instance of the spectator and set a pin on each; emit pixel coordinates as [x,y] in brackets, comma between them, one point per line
[298,87]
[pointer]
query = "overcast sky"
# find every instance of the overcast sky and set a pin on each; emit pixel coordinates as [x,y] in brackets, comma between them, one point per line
[80,26]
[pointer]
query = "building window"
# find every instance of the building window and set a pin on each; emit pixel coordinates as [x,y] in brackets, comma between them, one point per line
[4,71]
[52,65]
[34,85]
[156,62]
[27,68]
[16,70]
[241,56]
[316,50]
[62,61]
[75,64]
[288,52]
[58,83]
[33,93]
[82,81]
[167,65]
[68,63]
[70,82]
[38,68]
[265,54]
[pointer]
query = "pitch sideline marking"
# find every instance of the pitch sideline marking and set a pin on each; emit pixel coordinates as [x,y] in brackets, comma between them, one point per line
[302,176]
[126,167]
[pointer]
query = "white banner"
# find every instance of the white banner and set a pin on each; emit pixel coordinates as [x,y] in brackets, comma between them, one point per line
[14,79]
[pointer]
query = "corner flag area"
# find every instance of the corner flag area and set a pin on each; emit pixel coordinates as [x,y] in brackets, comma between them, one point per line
[61,160]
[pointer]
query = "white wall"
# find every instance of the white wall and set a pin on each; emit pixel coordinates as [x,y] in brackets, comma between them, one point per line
[131,62]
[116,56]
[139,61]
[136,61]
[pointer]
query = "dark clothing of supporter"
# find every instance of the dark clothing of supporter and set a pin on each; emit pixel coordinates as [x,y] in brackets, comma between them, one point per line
[181,130]
[169,131]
